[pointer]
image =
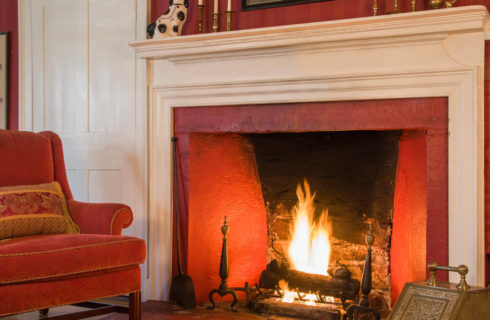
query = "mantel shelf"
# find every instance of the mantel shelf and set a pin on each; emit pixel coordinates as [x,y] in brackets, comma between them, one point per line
[413,24]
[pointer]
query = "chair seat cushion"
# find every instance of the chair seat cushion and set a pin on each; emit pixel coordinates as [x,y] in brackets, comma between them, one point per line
[47,257]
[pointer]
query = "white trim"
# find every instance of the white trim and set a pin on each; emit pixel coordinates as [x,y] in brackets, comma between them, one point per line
[141,132]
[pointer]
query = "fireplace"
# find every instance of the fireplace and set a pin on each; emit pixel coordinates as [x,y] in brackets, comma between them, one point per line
[350,67]
[246,170]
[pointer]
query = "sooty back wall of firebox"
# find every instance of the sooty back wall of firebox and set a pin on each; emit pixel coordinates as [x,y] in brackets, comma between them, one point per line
[352,173]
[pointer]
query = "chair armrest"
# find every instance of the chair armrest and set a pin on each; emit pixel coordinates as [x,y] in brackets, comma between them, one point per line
[100,218]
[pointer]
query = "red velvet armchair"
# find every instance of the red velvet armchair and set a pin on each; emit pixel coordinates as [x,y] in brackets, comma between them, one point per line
[42,271]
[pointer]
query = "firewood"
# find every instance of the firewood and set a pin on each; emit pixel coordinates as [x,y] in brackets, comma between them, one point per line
[296,310]
[307,282]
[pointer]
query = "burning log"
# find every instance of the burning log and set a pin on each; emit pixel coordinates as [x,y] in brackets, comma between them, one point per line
[335,286]
[318,312]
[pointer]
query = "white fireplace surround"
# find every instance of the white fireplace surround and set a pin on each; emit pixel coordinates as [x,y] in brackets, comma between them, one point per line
[437,53]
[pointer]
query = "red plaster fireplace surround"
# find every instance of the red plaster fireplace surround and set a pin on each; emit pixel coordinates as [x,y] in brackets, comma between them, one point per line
[420,72]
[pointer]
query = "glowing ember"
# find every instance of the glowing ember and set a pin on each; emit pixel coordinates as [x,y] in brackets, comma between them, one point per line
[309,249]
[289,296]
[308,298]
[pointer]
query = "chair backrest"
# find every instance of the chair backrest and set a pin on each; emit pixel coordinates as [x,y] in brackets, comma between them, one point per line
[28,158]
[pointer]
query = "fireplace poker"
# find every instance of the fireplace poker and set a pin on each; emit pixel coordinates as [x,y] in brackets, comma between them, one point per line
[182,287]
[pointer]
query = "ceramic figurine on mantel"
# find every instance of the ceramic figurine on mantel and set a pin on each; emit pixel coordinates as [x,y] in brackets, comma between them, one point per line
[170,24]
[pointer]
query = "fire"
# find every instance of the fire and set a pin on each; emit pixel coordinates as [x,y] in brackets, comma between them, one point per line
[309,249]
[291,296]
[288,296]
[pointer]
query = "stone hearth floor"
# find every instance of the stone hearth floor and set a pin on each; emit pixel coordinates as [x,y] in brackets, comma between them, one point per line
[153,310]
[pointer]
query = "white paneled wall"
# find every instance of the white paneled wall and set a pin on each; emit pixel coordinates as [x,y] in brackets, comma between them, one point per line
[109,70]
[78,78]
[98,191]
[65,33]
[79,189]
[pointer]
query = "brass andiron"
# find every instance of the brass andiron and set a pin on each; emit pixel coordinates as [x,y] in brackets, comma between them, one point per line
[461,269]
[215,21]
[375,8]
[200,7]
[228,20]
[223,273]
[355,310]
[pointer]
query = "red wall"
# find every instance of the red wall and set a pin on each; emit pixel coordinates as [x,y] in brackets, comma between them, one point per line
[8,22]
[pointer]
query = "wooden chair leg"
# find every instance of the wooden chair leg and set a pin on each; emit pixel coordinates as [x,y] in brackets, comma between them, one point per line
[135,306]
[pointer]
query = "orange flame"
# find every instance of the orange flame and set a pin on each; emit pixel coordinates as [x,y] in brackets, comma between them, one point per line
[308,299]
[309,250]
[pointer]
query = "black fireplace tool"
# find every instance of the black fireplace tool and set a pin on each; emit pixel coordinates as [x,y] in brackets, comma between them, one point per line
[224,273]
[182,287]
[355,311]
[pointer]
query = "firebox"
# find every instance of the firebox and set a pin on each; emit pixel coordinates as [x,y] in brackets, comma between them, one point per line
[321,190]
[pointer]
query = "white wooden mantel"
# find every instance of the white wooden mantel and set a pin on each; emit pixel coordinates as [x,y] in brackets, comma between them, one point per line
[436,53]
